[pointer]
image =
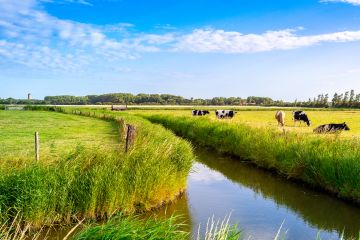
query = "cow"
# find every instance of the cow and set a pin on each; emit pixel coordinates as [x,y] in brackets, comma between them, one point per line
[331,128]
[280,117]
[220,114]
[301,116]
[200,112]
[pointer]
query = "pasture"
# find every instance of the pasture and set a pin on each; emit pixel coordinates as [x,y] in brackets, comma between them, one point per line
[265,118]
[59,133]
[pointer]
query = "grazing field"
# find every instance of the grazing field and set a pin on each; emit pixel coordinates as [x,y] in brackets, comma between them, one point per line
[328,161]
[92,180]
[265,118]
[59,133]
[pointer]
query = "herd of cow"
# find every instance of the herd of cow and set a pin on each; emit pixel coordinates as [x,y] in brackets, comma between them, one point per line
[298,116]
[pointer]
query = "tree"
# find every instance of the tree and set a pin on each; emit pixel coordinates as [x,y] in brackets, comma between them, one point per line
[352,98]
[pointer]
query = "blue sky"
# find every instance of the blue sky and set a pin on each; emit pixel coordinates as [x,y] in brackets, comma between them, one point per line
[194,48]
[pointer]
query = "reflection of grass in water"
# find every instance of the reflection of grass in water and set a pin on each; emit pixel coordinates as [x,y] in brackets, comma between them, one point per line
[305,202]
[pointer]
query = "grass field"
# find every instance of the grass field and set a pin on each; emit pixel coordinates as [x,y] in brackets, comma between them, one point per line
[266,119]
[59,133]
[94,179]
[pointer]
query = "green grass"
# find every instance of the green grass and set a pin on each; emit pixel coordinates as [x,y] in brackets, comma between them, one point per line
[93,179]
[265,118]
[122,228]
[171,228]
[330,162]
[59,134]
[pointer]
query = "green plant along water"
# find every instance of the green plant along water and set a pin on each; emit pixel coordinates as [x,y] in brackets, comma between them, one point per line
[96,182]
[330,163]
[260,202]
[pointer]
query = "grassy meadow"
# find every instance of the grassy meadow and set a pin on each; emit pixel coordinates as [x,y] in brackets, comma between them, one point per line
[265,118]
[92,176]
[59,134]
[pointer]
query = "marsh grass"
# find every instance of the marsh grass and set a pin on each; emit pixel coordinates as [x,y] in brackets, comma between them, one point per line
[219,230]
[131,227]
[170,228]
[331,163]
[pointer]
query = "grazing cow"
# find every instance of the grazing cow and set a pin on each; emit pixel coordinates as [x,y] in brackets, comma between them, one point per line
[301,116]
[280,117]
[331,128]
[225,113]
[200,112]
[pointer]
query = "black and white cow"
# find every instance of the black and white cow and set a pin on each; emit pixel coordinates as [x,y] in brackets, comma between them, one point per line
[331,128]
[200,112]
[301,116]
[225,113]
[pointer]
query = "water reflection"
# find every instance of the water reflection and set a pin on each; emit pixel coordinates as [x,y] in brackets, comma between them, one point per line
[304,210]
[260,201]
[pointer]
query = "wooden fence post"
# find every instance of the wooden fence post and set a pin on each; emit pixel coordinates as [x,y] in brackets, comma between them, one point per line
[37,146]
[130,136]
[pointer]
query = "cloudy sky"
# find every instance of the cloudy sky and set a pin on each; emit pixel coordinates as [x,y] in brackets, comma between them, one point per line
[283,49]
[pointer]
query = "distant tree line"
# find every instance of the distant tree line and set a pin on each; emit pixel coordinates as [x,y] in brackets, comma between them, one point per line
[349,99]
[21,101]
[346,100]
[154,99]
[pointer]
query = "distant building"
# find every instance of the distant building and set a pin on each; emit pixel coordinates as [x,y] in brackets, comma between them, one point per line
[118,108]
[29,96]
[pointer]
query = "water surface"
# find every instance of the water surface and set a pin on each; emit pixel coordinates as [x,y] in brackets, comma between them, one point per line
[260,202]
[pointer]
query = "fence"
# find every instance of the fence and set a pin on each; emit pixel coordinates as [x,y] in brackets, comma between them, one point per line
[127,131]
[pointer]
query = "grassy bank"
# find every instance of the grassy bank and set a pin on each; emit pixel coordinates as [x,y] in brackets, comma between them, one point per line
[330,162]
[91,180]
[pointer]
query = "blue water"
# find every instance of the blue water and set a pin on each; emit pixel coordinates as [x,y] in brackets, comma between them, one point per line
[261,203]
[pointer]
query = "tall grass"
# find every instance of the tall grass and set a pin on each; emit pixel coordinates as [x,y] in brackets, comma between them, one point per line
[219,230]
[121,227]
[95,183]
[330,163]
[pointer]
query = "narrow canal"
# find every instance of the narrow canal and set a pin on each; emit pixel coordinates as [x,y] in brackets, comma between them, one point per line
[260,202]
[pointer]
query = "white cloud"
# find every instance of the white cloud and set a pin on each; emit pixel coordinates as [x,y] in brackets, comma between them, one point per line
[41,57]
[25,23]
[353,2]
[214,40]
[30,36]
[83,2]
[201,173]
